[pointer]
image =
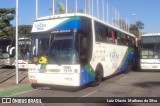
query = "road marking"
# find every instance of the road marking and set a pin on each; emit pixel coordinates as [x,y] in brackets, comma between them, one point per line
[90,93]
[23,92]
[123,78]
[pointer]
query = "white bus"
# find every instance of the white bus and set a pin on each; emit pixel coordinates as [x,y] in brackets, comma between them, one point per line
[23,52]
[7,52]
[150,51]
[76,49]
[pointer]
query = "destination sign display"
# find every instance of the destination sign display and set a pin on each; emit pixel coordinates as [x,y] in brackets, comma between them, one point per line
[151,39]
[23,42]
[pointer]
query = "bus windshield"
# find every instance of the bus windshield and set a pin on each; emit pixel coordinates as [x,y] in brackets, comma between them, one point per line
[23,53]
[23,50]
[58,48]
[150,51]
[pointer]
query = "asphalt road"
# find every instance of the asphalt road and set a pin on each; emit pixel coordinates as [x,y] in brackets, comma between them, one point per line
[8,77]
[133,84]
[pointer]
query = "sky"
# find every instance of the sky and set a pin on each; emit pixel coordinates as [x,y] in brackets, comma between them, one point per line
[146,11]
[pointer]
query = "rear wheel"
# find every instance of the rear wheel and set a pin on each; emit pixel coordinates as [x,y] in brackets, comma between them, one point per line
[98,77]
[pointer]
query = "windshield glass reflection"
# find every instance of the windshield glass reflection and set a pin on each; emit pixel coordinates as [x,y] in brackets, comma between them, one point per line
[57,48]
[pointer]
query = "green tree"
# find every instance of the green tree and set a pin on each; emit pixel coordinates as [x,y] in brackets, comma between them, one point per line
[136,28]
[140,25]
[61,8]
[24,30]
[6,28]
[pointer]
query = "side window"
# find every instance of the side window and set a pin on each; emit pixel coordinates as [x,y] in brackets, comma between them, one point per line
[123,38]
[109,36]
[106,33]
[103,33]
[129,41]
[119,40]
[113,37]
[116,36]
[100,32]
[98,39]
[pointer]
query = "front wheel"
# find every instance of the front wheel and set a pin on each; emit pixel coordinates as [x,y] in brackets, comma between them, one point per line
[98,77]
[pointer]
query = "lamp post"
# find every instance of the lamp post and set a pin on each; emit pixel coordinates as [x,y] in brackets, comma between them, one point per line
[53,8]
[36,9]
[89,7]
[17,42]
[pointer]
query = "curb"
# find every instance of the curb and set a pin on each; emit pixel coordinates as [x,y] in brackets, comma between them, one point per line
[13,91]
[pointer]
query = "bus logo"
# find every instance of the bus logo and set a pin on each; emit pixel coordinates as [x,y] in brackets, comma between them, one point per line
[40,26]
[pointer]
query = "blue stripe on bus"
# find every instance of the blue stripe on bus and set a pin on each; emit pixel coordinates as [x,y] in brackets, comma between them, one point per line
[73,23]
[86,75]
[129,57]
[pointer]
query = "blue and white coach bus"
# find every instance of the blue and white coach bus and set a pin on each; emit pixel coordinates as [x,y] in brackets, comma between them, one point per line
[150,51]
[76,49]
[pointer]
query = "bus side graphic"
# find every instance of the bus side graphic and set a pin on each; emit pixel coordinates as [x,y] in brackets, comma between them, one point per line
[72,23]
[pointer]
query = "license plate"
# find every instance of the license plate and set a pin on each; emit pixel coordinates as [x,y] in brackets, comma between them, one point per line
[154,66]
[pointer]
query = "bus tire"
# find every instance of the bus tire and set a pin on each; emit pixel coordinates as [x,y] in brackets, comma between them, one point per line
[34,86]
[98,76]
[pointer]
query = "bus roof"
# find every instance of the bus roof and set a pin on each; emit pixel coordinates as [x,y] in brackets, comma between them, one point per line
[151,34]
[81,14]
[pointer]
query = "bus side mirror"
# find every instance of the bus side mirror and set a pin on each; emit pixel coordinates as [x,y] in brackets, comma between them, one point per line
[34,50]
[12,51]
